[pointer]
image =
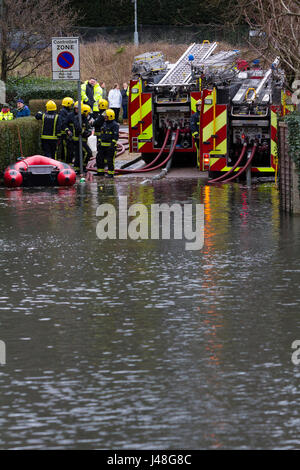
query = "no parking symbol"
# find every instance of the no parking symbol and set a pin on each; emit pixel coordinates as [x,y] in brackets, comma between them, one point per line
[65,59]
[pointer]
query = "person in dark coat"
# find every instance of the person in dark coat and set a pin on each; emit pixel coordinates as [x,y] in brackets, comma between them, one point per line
[124,93]
[195,127]
[85,131]
[51,129]
[22,109]
[107,147]
[66,147]
[99,121]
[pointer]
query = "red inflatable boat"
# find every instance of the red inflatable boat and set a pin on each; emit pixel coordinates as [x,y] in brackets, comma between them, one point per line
[39,170]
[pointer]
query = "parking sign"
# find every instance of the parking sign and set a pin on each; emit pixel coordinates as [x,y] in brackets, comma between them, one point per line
[65,59]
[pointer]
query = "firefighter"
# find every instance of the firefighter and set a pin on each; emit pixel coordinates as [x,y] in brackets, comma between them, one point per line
[91,93]
[107,147]
[83,130]
[51,129]
[99,121]
[195,127]
[6,114]
[66,148]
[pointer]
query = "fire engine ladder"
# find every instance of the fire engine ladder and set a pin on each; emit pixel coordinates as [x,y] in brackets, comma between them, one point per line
[252,88]
[220,60]
[180,73]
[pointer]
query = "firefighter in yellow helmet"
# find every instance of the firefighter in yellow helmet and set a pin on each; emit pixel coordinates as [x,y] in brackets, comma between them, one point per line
[195,127]
[85,131]
[107,146]
[99,121]
[66,148]
[51,129]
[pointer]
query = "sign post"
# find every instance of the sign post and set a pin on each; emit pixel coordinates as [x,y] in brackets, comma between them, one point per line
[66,66]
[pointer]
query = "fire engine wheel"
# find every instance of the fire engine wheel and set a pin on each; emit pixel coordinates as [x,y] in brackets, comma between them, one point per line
[214,174]
[148,157]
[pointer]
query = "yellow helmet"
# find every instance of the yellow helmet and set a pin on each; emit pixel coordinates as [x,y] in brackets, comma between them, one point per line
[76,104]
[86,109]
[67,102]
[198,102]
[110,114]
[51,106]
[102,104]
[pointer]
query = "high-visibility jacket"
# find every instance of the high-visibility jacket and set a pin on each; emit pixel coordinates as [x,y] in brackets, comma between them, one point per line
[51,125]
[91,95]
[6,116]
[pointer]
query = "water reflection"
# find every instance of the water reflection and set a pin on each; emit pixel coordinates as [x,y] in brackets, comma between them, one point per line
[142,344]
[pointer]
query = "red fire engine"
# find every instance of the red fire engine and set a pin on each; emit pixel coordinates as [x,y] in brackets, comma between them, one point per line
[239,110]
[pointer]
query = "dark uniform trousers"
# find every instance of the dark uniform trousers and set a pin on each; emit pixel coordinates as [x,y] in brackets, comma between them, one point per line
[65,151]
[49,147]
[106,153]
[107,147]
[194,126]
[86,153]
[85,133]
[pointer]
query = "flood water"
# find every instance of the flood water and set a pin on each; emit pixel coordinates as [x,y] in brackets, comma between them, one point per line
[142,344]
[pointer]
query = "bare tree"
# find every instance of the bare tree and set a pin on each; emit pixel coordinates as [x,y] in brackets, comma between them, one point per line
[279,24]
[26,29]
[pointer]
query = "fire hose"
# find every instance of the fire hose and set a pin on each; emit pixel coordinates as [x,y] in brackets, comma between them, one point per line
[157,156]
[244,168]
[231,169]
[149,166]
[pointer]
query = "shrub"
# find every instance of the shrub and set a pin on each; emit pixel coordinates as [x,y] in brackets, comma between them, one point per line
[293,122]
[40,105]
[39,88]
[20,137]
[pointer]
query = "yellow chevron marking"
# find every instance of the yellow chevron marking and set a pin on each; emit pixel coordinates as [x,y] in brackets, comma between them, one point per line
[135,117]
[221,121]
[134,96]
[147,107]
[193,104]
[212,161]
[268,169]
[146,134]
[274,124]
[207,130]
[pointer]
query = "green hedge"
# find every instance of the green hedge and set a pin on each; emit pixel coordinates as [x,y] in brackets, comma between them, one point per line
[10,137]
[293,122]
[39,88]
[40,105]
